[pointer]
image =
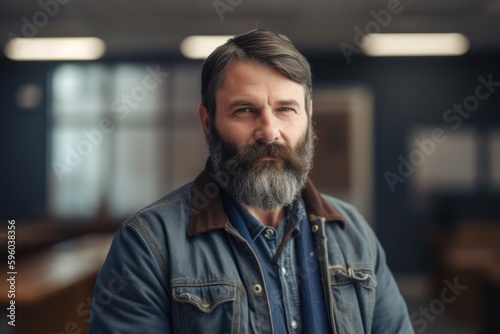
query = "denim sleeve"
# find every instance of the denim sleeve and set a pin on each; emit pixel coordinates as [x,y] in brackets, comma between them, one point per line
[390,313]
[130,294]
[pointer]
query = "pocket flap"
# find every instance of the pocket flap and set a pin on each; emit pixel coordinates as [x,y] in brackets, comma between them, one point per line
[362,276]
[204,296]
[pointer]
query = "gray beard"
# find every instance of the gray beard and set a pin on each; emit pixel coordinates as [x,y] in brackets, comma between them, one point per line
[267,184]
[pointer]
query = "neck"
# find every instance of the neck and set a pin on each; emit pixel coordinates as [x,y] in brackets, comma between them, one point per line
[268,218]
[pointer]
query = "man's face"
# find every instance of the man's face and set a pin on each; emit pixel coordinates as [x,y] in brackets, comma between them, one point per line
[261,130]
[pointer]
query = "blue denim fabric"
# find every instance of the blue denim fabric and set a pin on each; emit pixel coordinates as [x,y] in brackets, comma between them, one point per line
[283,279]
[162,275]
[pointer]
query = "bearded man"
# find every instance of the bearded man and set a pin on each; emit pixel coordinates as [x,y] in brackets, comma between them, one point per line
[250,246]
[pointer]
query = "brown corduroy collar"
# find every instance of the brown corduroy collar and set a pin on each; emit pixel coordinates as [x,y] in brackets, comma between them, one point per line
[207,212]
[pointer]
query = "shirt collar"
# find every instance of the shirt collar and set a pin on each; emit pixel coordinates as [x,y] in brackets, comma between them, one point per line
[207,211]
[255,227]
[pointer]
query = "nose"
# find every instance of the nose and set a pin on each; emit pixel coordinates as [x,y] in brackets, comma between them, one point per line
[267,130]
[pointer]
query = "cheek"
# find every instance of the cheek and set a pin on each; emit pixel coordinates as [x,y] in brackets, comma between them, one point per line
[235,133]
[296,132]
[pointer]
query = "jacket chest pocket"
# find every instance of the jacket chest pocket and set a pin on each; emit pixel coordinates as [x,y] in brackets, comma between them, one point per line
[206,306]
[354,293]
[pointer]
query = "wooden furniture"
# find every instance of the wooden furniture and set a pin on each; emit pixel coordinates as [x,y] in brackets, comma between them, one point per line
[54,287]
[470,253]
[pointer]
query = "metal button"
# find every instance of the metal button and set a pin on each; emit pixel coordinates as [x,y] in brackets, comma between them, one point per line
[294,324]
[315,228]
[269,233]
[256,289]
[283,271]
[205,303]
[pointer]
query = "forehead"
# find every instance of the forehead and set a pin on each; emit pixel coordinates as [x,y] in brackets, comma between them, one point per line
[250,77]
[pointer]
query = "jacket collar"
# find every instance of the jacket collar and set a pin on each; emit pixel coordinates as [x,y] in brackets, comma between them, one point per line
[207,211]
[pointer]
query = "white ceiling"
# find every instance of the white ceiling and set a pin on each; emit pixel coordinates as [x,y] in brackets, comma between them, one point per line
[158,26]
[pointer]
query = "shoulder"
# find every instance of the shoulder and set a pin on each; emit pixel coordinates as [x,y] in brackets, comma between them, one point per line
[148,230]
[171,200]
[346,210]
[153,219]
[356,228]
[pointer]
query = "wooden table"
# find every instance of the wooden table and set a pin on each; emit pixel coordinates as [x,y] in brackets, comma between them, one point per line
[55,286]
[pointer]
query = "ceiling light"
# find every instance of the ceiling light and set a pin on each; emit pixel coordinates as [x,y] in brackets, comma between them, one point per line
[200,47]
[452,44]
[58,48]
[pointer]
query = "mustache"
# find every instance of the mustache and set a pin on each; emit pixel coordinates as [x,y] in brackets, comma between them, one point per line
[251,153]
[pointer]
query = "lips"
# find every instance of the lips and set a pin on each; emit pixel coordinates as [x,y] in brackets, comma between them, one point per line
[267,158]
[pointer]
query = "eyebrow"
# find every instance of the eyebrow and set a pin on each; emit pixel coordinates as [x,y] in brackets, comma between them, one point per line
[246,103]
[239,103]
[290,102]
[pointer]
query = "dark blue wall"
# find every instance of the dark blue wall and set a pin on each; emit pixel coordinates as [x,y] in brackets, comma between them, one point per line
[23,143]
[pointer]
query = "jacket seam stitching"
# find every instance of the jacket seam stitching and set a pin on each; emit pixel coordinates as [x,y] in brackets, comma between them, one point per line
[161,260]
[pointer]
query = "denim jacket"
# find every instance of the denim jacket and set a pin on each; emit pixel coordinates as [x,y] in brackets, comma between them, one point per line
[179,266]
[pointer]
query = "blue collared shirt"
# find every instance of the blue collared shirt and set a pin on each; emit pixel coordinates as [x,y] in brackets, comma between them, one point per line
[284,276]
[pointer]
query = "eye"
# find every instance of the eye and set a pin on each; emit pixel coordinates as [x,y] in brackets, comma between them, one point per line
[243,110]
[285,109]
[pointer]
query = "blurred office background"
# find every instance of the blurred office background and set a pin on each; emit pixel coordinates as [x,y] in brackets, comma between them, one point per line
[85,143]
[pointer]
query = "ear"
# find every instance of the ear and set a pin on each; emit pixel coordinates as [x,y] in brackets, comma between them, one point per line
[203,114]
